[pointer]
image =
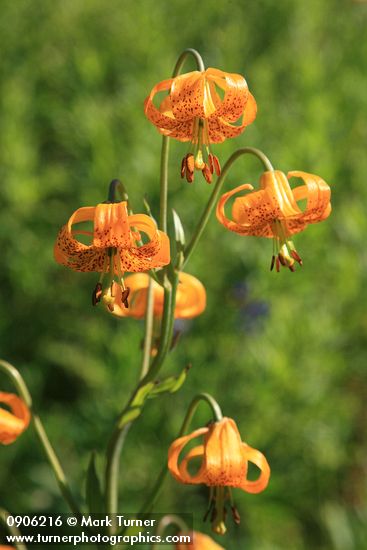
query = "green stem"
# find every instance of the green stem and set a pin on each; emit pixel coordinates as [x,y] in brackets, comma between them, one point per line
[23,391]
[148,330]
[165,339]
[217,414]
[117,187]
[181,60]
[165,141]
[166,521]
[164,185]
[216,191]
[13,530]
[119,434]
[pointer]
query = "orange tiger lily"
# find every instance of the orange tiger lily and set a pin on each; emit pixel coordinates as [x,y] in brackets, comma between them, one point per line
[224,463]
[274,211]
[115,247]
[195,111]
[190,297]
[15,421]
[200,542]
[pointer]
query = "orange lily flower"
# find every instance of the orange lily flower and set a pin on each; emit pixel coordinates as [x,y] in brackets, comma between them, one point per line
[15,421]
[224,463]
[190,297]
[200,542]
[115,248]
[274,211]
[201,107]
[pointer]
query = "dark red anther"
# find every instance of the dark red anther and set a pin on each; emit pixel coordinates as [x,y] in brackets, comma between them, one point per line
[292,268]
[277,264]
[296,257]
[124,297]
[190,163]
[189,176]
[217,165]
[183,166]
[207,173]
[97,294]
[282,259]
[272,262]
[211,164]
[235,514]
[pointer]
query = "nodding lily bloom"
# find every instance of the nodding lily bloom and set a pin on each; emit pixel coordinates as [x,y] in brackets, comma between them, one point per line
[116,247]
[275,211]
[200,542]
[201,107]
[190,297]
[14,421]
[224,464]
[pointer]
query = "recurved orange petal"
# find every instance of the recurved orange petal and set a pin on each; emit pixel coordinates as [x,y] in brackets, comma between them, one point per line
[187,96]
[317,192]
[174,453]
[249,216]
[158,118]
[15,421]
[257,458]
[235,93]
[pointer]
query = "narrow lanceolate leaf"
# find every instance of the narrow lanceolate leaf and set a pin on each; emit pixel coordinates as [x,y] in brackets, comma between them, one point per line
[93,493]
[136,406]
[179,240]
[179,230]
[170,384]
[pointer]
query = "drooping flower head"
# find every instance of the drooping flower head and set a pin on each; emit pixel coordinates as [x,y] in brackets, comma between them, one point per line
[200,542]
[14,421]
[116,247]
[202,107]
[224,464]
[275,211]
[190,297]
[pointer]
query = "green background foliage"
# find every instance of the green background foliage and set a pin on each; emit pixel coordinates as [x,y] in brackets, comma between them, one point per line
[285,354]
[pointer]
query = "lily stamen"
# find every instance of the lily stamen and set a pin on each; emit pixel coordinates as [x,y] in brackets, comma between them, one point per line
[194,159]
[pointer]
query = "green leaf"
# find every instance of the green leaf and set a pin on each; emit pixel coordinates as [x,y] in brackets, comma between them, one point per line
[93,493]
[179,230]
[170,384]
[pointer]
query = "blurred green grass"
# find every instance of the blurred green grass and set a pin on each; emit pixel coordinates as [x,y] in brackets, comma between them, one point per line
[285,354]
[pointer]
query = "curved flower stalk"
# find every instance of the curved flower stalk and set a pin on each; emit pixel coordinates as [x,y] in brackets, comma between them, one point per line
[190,297]
[200,542]
[275,211]
[13,422]
[115,248]
[224,464]
[202,107]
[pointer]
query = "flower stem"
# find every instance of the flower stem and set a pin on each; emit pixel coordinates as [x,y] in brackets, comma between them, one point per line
[23,391]
[170,285]
[217,414]
[148,330]
[165,141]
[216,191]
[13,530]
[117,187]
